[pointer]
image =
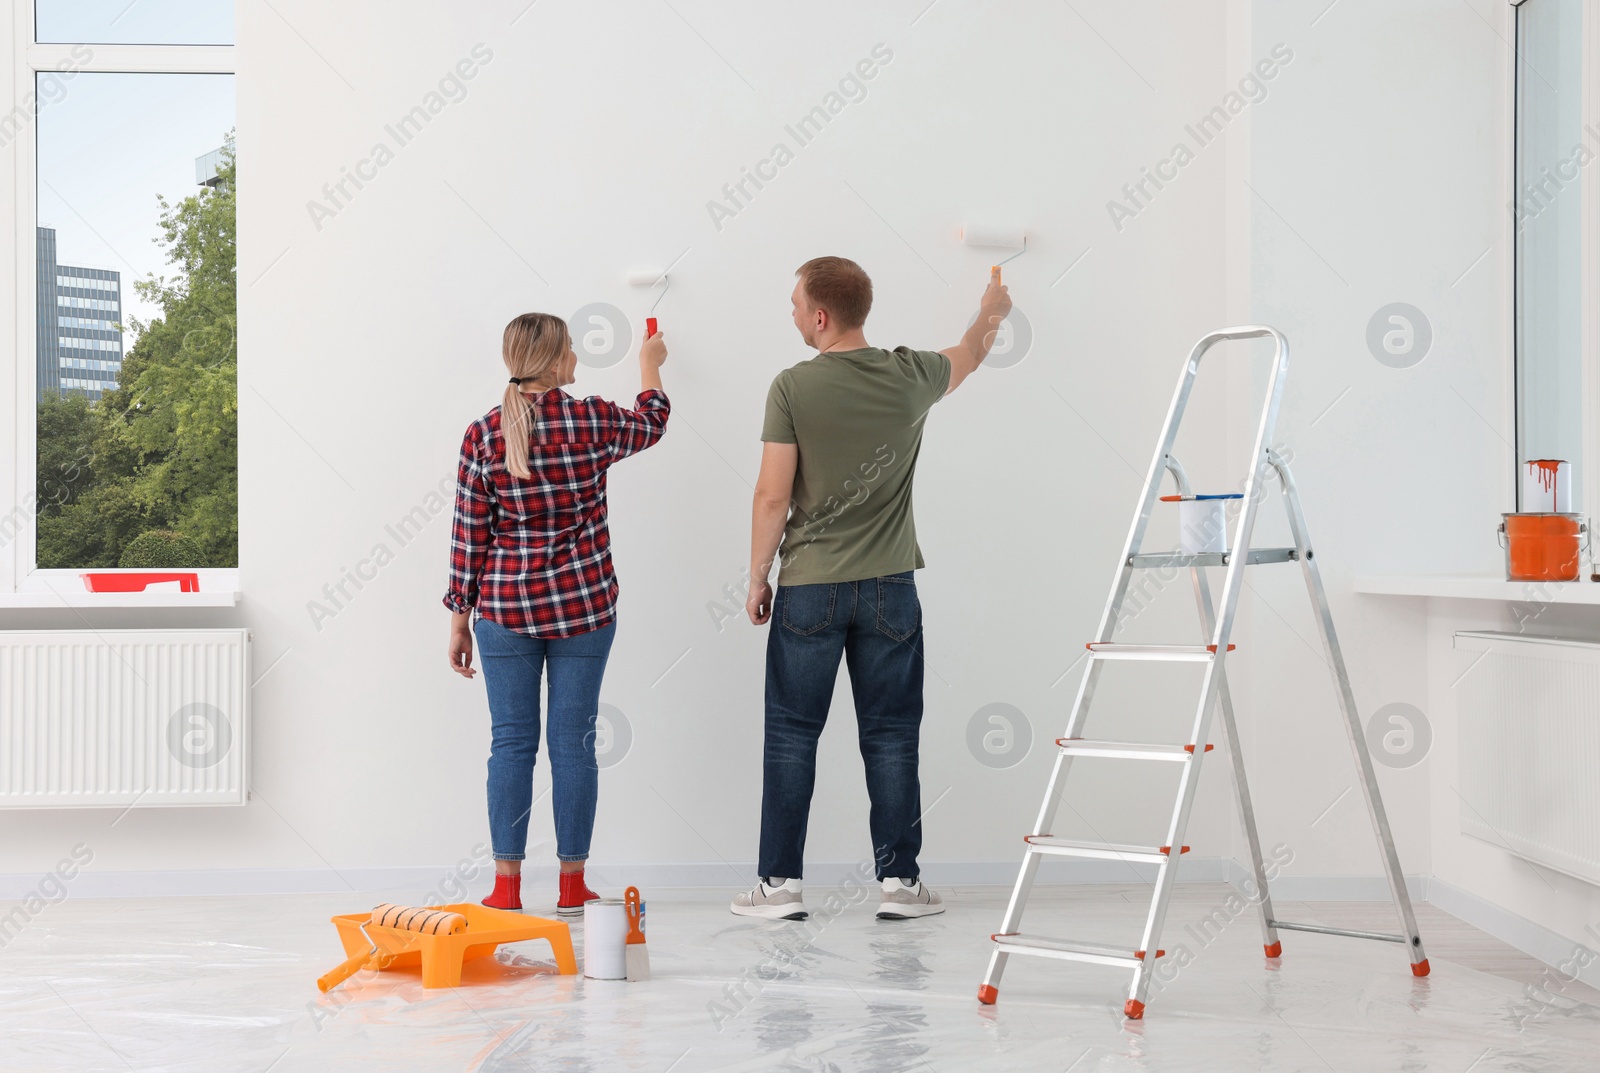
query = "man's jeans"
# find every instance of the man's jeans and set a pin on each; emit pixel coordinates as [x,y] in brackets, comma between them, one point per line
[876,625]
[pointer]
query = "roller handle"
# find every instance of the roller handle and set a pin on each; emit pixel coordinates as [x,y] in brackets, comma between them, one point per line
[348,968]
[649,327]
[630,899]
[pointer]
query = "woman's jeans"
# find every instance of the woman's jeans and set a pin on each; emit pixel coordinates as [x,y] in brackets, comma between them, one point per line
[513,663]
[876,627]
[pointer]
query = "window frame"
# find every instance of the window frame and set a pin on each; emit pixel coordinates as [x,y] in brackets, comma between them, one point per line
[22,584]
[1588,460]
[1589,192]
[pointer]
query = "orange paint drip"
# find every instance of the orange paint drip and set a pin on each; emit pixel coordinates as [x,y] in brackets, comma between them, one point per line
[1548,468]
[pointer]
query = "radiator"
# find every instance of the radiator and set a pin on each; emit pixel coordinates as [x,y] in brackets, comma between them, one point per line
[1530,747]
[123,718]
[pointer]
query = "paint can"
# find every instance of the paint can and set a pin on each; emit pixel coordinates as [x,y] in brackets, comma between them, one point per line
[605,936]
[1203,523]
[1546,486]
[1543,545]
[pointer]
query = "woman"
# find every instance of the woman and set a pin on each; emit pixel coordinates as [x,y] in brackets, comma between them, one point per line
[531,552]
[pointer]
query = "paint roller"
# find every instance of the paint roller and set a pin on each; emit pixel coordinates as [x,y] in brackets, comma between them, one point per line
[649,277]
[401,918]
[990,236]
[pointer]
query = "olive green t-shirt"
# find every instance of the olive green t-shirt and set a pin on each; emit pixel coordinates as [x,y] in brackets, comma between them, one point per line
[856,416]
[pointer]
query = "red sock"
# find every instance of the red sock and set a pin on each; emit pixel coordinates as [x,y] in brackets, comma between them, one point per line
[507,892]
[574,891]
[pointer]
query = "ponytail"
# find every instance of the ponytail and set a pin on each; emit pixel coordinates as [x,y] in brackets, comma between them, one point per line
[516,425]
[533,344]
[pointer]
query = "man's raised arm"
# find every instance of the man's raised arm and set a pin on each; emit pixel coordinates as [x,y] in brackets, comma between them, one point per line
[967,355]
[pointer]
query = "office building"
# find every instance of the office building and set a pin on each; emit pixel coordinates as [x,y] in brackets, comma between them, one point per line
[206,169]
[79,343]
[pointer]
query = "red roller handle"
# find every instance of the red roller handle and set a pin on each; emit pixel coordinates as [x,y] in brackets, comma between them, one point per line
[649,327]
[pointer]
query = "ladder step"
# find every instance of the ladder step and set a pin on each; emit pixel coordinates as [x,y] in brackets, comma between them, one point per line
[1104,851]
[1183,653]
[1069,950]
[1126,750]
[1257,557]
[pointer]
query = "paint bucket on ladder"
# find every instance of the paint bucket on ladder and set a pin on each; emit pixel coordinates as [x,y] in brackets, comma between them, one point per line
[1202,522]
[1543,545]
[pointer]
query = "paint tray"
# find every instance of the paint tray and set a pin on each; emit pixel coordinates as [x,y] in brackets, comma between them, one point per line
[441,956]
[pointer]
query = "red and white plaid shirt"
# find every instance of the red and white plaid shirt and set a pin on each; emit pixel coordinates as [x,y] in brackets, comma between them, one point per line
[534,555]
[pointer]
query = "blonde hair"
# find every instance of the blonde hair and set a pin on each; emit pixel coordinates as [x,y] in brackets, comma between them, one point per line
[533,344]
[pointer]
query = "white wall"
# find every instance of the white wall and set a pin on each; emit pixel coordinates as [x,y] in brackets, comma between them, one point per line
[1383,179]
[592,142]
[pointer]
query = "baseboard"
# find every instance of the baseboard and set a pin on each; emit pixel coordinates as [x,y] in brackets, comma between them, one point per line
[1069,872]
[445,883]
[1533,939]
[227,881]
[1330,888]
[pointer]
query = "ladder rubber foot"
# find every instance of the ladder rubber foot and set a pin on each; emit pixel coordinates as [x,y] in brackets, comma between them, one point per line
[1133,1010]
[987,994]
[1420,968]
[1275,950]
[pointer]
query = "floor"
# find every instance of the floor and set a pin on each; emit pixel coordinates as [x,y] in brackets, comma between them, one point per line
[215,985]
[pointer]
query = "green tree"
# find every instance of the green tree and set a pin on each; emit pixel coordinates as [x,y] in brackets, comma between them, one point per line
[161,549]
[66,449]
[160,451]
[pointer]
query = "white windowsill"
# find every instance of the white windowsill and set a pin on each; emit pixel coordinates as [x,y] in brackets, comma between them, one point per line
[44,589]
[214,598]
[1479,587]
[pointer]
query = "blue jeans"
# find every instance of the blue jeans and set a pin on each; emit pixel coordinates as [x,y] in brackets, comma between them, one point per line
[876,625]
[512,666]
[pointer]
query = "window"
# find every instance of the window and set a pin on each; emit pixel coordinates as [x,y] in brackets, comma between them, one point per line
[126,355]
[146,22]
[1552,153]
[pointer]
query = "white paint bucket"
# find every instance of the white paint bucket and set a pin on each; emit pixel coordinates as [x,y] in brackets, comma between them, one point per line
[605,938]
[1546,486]
[1203,524]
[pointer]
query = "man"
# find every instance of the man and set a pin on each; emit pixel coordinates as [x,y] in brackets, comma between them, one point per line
[839,453]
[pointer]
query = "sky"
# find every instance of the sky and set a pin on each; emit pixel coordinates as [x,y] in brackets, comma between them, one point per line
[112,142]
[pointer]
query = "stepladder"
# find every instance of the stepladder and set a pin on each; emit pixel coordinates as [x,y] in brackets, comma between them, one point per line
[1268,466]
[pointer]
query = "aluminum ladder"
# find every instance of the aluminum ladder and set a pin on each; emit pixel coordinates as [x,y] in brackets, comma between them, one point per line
[1217,627]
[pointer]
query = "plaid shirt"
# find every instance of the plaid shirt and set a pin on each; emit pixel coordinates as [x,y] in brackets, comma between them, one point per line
[534,555]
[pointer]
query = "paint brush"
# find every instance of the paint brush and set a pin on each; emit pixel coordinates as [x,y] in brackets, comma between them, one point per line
[638,955]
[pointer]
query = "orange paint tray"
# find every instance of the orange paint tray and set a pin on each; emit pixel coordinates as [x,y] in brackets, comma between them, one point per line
[441,956]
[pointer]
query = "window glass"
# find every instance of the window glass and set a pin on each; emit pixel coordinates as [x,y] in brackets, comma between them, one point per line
[1550,153]
[135,22]
[135,344]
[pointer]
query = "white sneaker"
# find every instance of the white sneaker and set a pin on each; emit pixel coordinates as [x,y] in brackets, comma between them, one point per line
[782,902]
[902,900]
